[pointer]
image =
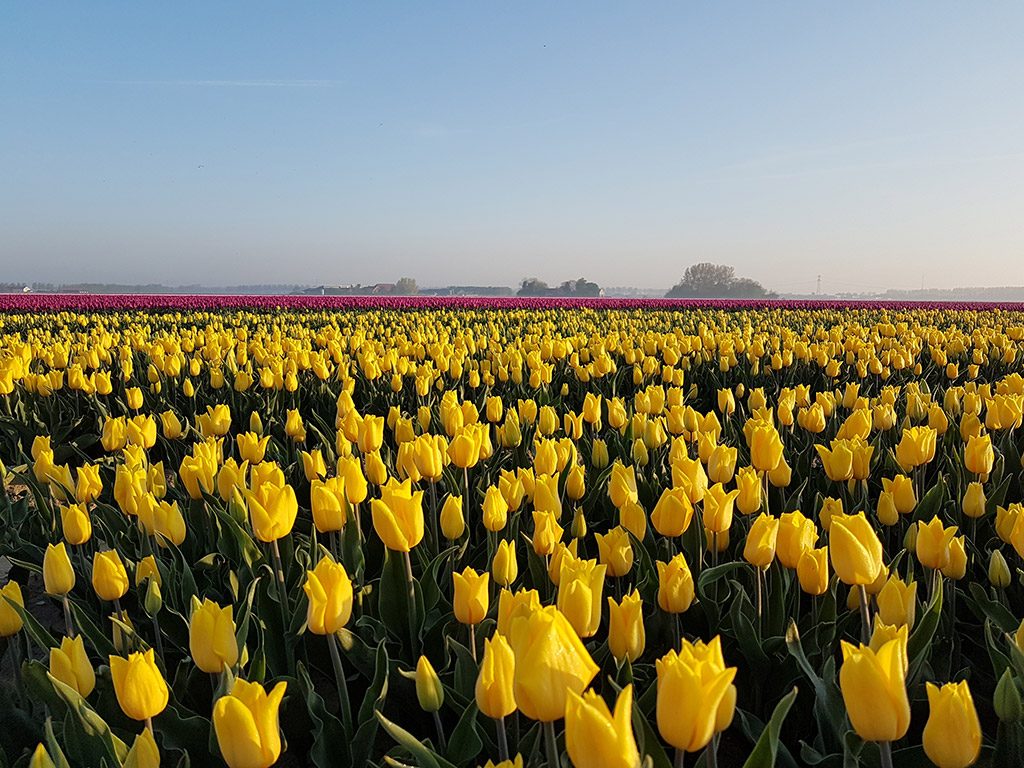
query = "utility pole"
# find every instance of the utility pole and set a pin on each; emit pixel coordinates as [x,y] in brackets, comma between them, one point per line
[818,291]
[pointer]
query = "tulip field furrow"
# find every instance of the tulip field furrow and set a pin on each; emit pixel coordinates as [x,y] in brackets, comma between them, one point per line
[444,532]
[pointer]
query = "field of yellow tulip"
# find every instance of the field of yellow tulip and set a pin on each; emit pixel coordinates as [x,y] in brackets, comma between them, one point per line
[488,534]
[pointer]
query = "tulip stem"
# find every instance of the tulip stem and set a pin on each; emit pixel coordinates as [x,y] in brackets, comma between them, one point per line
[472,640]
[711,753]
[865,615]
[502,740]
[412,603]
[550,744]
[680,760]
[341,681]
[758,589]
[149,724]
[159,641]
[68,623]
[440,732]
[885,754]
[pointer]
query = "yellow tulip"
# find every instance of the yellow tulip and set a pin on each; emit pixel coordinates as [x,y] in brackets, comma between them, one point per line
[89,484]
[615,551]
[76,524]
[759,548]
[328,503]
[838,462]
[748,483]
[139,685]
[692,687]
[495,510]
[933,541]
[580,589]
[718,507]
[722,464]
[874,691]
[916,447]
[597,738]
[109,578]
[494,686]
[675,585]
[144,752]
[429,691]
[974,500]
[956,568]
[673,512]
[211,636]
[812,571]
[329,593]
[453,524]
[626,636]
[398,516]
[470,596]
[797,535]
[897,602]
[58,575]
[952,735]
[272,511]
[550,662]
[10,621]
[622,484]
[854,549]
[512,605]
[504,567]
[546,533]
[70,665]
[246,725]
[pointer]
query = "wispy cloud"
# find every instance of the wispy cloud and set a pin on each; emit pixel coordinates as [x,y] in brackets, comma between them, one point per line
[226,83]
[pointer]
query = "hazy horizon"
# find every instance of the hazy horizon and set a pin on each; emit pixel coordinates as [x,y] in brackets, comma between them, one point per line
[476,144]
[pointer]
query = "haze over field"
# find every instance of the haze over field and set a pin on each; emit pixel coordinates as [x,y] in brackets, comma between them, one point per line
[476,144]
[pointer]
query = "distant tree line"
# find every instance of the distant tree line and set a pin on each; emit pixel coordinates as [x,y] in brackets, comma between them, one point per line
[716,281]
[578,288]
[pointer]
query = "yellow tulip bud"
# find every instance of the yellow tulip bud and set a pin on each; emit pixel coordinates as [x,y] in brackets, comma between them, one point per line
[504,567]
[329,592]
[675,585]
[139,685]
[10,621]
[933,542]
[470,597]
[693,685]
[855,549]
[58,575]
[998,571]
[429,691]
[70,665]
[812,571]
[952,735]
[109,578]
[874,691]
[797,535]
[494,685]
[246,725]
[626,637]
[596,737]
[759,548]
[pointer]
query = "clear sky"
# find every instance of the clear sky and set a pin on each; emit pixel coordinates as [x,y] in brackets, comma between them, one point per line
[876,143]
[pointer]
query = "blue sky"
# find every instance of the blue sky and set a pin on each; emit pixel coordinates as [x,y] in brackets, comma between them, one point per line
[878,144]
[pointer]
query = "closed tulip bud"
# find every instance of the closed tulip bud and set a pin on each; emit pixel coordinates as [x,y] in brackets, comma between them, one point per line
[429,691]
[675,585]
[470,597]
[673,513]
[246,725]
[70,665]
[599,454]
[933,541]
[874,691]
[453,524]
[545,494]
[749,485]
[109,578]
[952,735]
[888,515]
[1007,700]
[718,506]
[902,489]
[897,602]
[153,600]
[956,568]
[464,450]
[58,575]
[626,637]
[974,500]
[979,456]
[998,570]
[693,686]
[759,549]
[139,685]
[575,484]
[855,549]
[579,523]
[329,505]
[494,691]
[812,571]
[550,661]
[504,567]
[10,620]
[376,470]
[640,454]
[615,551]
[797,534]
[398,516]
[495,510]
[211,638]
[329,592]
[596,738]
[76,524]
[726,402]
[294,428]
[313,465]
